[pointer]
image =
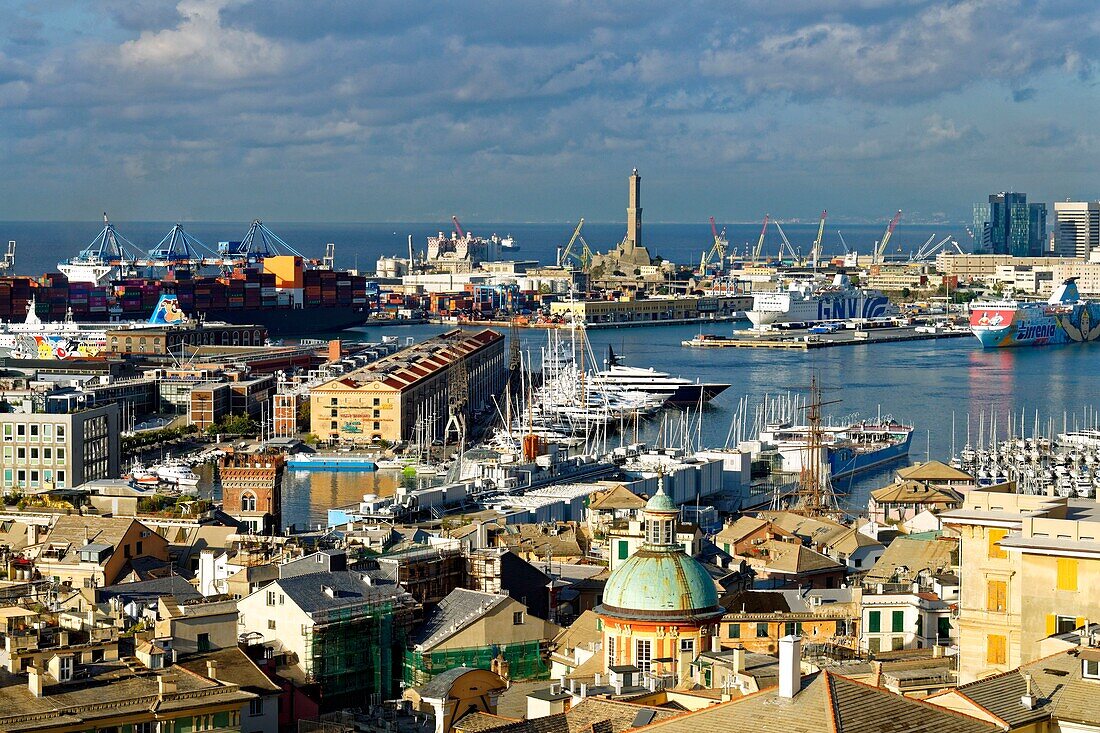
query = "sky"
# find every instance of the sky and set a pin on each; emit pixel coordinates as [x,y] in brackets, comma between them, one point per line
[518,110]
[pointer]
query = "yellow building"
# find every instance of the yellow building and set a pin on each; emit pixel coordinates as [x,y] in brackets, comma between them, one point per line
[385,399]
[1030,569]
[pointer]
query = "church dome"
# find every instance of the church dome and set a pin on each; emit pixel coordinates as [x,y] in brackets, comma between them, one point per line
[656,583]
[660,582]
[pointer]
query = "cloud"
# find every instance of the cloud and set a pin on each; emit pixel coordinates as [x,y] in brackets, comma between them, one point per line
[201,45]
[1024,95]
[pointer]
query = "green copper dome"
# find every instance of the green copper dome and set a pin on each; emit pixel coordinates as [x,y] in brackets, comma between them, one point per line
[660,583]
[660,502]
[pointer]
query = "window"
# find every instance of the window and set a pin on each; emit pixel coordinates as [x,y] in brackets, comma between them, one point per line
[204,642]
[943,628]
[376,402]
[624,549]
[517,618]
[271,598]
[995,649]
[248,502]
[995,551]
[897,643]
[65,671]
[1067,573]
[687,645]
[34,432]
[897,621]
[60,455]
[874,621]
[874,645]
[761,629]
[611,640]
[20,431]
[858,562]
[643,654]
[1066,624]
[995,596]
[792,628]
[8,427]
[734,631]
[256,706]
[21,453]
[144,728]
[1091,669]
[59,430]
[271,624]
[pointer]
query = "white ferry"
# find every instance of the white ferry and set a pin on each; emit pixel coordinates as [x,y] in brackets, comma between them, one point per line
[812,300]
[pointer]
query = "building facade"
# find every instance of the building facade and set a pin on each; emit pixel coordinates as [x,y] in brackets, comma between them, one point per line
[1008,224]
[409,392]
[1076,228]
[252,491]
[45,450]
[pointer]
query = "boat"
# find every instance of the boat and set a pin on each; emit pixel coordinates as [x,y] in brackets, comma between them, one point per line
[618,378]
[508,244]
[176,473]
[331,462]
[812,300]
[141,476]
[850,449]
[393,464]
[1063,318]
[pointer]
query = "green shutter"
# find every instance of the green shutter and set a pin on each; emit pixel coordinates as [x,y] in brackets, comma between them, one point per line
[943,629]
[874,621]
[897,621]
[624,549]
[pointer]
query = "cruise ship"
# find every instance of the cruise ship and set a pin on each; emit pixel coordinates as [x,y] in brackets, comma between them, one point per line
[1064,318]
[617,377]
[812,300]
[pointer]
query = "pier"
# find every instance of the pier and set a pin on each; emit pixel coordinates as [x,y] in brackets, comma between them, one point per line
[803,341]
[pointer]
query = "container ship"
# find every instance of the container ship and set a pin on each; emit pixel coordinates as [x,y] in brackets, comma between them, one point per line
[811,301]
[261,280]
[1064,318]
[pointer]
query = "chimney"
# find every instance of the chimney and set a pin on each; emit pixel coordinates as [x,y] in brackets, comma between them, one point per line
[715,641]
[212,669]
[34,680]
[597,679]
[90,618]
[165,686]
[617,681]
[554,688]
[335,353]
[1028,699]
[790,666]
[62,638]
[876,673]
[739,660]
[584,690]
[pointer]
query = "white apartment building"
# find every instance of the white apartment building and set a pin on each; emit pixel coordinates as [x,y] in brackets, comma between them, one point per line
[1076,228]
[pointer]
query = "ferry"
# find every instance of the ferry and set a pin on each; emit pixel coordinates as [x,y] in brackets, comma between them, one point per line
[1064,318]
[849,449]
[812,300]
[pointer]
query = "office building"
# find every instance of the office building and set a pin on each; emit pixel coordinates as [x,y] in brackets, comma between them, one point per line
[1076,228]
[1008,224]
[44,450]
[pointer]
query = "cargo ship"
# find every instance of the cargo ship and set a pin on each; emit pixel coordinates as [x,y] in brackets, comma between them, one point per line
[812,301]
[1064,318]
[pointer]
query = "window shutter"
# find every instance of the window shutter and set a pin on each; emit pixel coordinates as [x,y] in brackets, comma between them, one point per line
[1052,624]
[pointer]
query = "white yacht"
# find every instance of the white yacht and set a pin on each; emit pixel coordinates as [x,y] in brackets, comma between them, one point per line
[176,473]
[618,377]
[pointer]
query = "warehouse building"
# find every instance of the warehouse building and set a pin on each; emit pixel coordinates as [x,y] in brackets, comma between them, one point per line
[386,399]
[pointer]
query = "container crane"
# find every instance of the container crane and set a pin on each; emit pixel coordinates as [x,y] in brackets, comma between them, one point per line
[583,257]
[760,242]
[8,263]
[880,250]
[815,253]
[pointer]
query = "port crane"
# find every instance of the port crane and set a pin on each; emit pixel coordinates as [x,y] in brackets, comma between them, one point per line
[8,263]
[717,251]
[583,257]
[843,243]
[786,245]
[815,253]
[760,242]
[458,227]
[880,250]
[927,251]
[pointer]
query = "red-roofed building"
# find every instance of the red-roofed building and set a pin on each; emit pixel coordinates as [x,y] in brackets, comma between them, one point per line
[384,400]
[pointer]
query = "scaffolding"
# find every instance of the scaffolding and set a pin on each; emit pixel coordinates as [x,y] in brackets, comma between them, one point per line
[526,661]
[354,652]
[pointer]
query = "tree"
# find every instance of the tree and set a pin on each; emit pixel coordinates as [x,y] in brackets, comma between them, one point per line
[303,415]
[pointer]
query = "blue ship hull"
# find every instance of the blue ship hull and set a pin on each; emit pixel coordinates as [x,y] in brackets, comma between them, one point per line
[330,463]
[845,461]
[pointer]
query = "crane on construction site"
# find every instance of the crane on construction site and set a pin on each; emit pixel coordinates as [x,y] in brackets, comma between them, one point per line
[880,250]
[815,253]
[760,242]
[717,251]
[583,257]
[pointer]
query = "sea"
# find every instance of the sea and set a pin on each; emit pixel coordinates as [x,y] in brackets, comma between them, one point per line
[945,388]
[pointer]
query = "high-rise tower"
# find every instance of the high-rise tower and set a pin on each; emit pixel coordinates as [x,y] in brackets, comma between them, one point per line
[634,211]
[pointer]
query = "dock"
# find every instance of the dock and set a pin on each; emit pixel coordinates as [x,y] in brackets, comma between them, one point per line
[803,341]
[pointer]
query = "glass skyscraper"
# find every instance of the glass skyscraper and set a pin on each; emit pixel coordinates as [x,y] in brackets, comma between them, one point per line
[1008,224]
